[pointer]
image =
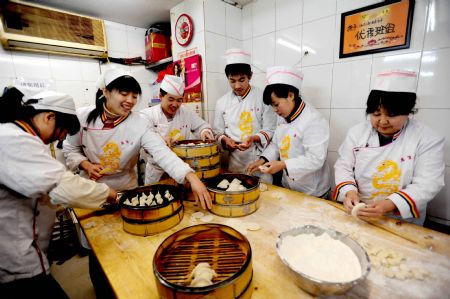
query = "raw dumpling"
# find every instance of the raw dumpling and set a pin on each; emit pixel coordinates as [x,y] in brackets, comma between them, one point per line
[223,184]
[168,195]
[236,182]
[142,200]
[135,201]
[202,275]
[357,207]
[263,168]
[236,186]
[159,199]
[127,202]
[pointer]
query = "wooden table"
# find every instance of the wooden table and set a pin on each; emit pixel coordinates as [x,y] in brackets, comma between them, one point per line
[127,259]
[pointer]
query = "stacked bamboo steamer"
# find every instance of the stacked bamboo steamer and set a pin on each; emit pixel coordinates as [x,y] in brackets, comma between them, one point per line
[202,156]
[224,249]
[234,203]
[152,214]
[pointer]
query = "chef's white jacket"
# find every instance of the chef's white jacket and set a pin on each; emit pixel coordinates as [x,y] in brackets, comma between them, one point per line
[29,173]
[185,124]
[409,171]
[240,117]
[302,144]
[117,149]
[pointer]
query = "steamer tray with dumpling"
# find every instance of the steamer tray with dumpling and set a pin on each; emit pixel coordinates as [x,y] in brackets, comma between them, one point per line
[195,148]
[227,252]
[163,213]
[234,203]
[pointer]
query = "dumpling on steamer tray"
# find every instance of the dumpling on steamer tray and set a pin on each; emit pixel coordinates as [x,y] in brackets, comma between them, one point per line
[236,185]
[135,201]
[202,275]
[159,199]
[142,199]
[168,195]
[223,184]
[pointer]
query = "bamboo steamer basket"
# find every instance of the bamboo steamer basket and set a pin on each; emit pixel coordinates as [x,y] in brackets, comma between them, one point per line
[234,203]
[201,162]
[199,149]
[207,172]
[202,156]
[235,210]
[150,220]
[227,251]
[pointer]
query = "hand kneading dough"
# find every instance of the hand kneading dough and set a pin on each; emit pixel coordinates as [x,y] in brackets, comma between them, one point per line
[263,168]
[357,208]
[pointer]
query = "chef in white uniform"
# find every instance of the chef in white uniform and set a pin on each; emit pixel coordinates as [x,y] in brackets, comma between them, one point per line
[299,146]
[31,183]
[107,147]
[391,162]
[172,121]
[243,124]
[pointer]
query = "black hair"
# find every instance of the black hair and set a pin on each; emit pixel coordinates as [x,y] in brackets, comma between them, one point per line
[13,108]
[395,103]
[281,91]
[122,84]
[178,73]
[162,92]
[238,69]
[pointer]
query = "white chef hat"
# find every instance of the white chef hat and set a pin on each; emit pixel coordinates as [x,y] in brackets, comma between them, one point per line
[53,101]
[396,80]
[284,75]
[173,85]
[110,75]
[234,56]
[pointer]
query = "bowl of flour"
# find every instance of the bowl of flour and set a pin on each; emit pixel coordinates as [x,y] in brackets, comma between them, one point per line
[323,261]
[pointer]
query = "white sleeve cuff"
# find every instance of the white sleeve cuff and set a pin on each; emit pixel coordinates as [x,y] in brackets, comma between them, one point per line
[405,205]
[77,192]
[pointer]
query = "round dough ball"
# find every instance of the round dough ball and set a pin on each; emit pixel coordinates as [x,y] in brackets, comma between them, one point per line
[357,208]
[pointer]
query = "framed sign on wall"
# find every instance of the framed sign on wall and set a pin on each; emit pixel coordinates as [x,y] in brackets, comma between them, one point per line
[381,27]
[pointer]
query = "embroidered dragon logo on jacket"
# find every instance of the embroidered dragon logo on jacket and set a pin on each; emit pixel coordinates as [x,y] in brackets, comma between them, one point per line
[110,159]
[175,135]
[245,124]
[285,146]
[386,180]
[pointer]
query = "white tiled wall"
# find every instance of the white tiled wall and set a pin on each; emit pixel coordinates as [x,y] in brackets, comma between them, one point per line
[74,75]
[280,31]
[223,30]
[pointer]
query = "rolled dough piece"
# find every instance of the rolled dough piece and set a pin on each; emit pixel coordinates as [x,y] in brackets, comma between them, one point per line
[207,218]
[252,226]
[198,215]
[357,208]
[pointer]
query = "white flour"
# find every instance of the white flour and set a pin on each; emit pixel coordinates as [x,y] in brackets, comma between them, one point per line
[321,257]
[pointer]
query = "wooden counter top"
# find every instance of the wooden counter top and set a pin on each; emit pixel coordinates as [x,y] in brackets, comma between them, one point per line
[127,259]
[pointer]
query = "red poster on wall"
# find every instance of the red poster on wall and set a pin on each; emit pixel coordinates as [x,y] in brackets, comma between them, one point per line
[190,68]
